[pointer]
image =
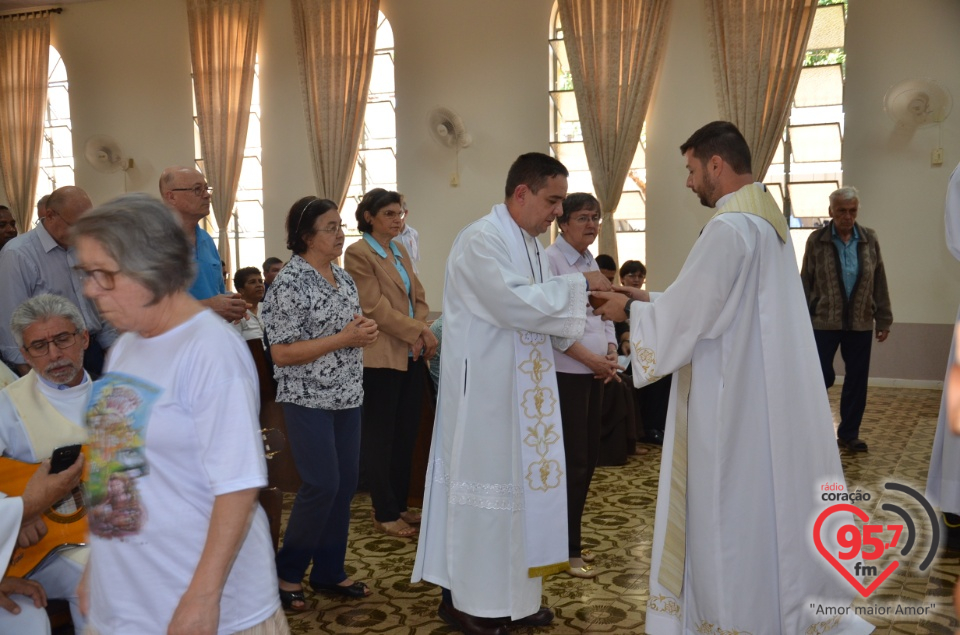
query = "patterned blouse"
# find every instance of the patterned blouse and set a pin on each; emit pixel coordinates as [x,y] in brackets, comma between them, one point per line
[302,305]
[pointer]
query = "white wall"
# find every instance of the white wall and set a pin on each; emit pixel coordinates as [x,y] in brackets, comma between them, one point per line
[902,194]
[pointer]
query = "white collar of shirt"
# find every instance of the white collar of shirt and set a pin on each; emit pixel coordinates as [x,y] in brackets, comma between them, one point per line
[46,240]
[571,254]
[62,388]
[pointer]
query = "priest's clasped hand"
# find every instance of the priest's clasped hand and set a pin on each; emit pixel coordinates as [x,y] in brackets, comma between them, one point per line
[615,301]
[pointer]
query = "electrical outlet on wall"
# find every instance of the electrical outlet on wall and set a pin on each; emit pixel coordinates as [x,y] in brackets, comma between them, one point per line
[936,157]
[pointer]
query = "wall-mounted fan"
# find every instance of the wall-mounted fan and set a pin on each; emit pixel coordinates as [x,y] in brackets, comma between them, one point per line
[916,103]
[446,127]
[103,153]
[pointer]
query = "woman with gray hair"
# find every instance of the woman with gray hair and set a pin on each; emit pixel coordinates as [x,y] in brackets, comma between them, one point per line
[178,541]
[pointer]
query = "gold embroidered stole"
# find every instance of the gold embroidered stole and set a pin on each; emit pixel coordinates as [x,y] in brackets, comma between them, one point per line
[46,427]
[751,199]
[674,554]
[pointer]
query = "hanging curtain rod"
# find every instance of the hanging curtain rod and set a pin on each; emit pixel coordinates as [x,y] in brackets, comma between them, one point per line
[30,13]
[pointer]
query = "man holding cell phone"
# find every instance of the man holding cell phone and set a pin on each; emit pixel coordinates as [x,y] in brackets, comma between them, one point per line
[41,416]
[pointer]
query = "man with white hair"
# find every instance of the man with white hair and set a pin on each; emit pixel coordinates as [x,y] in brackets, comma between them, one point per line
[846,288]
[44,410]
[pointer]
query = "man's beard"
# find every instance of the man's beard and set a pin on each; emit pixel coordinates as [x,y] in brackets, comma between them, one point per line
[62,372]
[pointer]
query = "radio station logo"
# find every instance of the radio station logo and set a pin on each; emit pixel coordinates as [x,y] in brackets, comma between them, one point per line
[862,548]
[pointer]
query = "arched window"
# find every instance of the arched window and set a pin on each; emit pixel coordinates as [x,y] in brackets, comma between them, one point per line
[566,142]
[377,159]
[56,153]
[247,247]
[806,167]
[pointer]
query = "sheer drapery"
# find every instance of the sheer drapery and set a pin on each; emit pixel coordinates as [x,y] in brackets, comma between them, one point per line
[336,40]
[223,48]
[24,61]
[614,49]
[758,48]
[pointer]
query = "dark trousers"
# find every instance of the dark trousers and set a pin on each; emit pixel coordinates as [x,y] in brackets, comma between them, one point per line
[391,420]
[326,451]
[581,405]
[652,403]
[855,351]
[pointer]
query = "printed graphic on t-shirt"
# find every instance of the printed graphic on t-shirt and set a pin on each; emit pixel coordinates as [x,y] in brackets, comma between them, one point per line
[117,424]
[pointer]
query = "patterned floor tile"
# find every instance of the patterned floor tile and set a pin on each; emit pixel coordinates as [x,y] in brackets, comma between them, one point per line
[618,526]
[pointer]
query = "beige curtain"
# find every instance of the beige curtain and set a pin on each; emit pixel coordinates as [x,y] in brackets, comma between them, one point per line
[335,45]
[223,48]
[24,58]
[615,49]
[758,51]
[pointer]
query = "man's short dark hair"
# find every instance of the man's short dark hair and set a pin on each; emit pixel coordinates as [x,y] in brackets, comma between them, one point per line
[633,267]
[722,139]
[269,262]
[606,262]
[240,278]
[533,169]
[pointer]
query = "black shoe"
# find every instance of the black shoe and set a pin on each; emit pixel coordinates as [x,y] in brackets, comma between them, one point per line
[543,617]
[470,624]
[853,445]
[356,590]
[653,437]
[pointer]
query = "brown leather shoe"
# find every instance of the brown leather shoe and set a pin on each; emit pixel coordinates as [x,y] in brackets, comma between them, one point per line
[470,624]
[543,617]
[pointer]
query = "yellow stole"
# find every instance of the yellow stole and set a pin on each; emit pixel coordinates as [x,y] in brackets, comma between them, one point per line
[751,199]
[46,427]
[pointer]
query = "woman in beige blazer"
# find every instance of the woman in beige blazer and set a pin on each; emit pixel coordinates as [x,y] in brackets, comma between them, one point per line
[393,366]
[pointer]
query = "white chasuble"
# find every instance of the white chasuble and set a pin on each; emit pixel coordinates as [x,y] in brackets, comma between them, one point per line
[494,513]
[760,439]
[11,513]
[943,479]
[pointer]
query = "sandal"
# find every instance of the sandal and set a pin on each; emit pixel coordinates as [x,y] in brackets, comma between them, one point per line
[397,528]
[355,590]
[411,518]
[287,599]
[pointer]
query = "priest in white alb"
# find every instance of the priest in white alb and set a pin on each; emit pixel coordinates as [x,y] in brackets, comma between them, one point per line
[943,478]
[494,515]
[746,455]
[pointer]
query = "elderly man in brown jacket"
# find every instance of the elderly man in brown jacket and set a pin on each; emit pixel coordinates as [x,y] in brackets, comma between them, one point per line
[846,288]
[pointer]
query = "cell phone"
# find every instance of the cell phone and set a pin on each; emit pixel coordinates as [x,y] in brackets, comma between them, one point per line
[63,458]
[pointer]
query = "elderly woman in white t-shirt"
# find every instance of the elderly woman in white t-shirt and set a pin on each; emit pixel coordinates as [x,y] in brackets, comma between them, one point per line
[178,541]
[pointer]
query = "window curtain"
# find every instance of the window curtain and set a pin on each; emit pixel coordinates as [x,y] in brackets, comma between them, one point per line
[615,50]
[24,61]
[223,49]
[758,52]
[336,40]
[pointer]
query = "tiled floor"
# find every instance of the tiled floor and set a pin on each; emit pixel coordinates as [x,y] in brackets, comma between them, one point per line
[899,426]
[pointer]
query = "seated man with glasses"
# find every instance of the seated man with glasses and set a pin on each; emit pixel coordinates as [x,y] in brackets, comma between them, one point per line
[186,191]
[39,261]
[42,411]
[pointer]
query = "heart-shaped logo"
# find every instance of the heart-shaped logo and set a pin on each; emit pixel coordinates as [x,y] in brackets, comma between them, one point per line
[862,515]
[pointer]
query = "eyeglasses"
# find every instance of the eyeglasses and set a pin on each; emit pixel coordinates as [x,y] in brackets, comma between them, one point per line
[60,216]
[198,190]
[632,276]
[335,229]
[392,213]
[596,219]
[103,278]
[63,341]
